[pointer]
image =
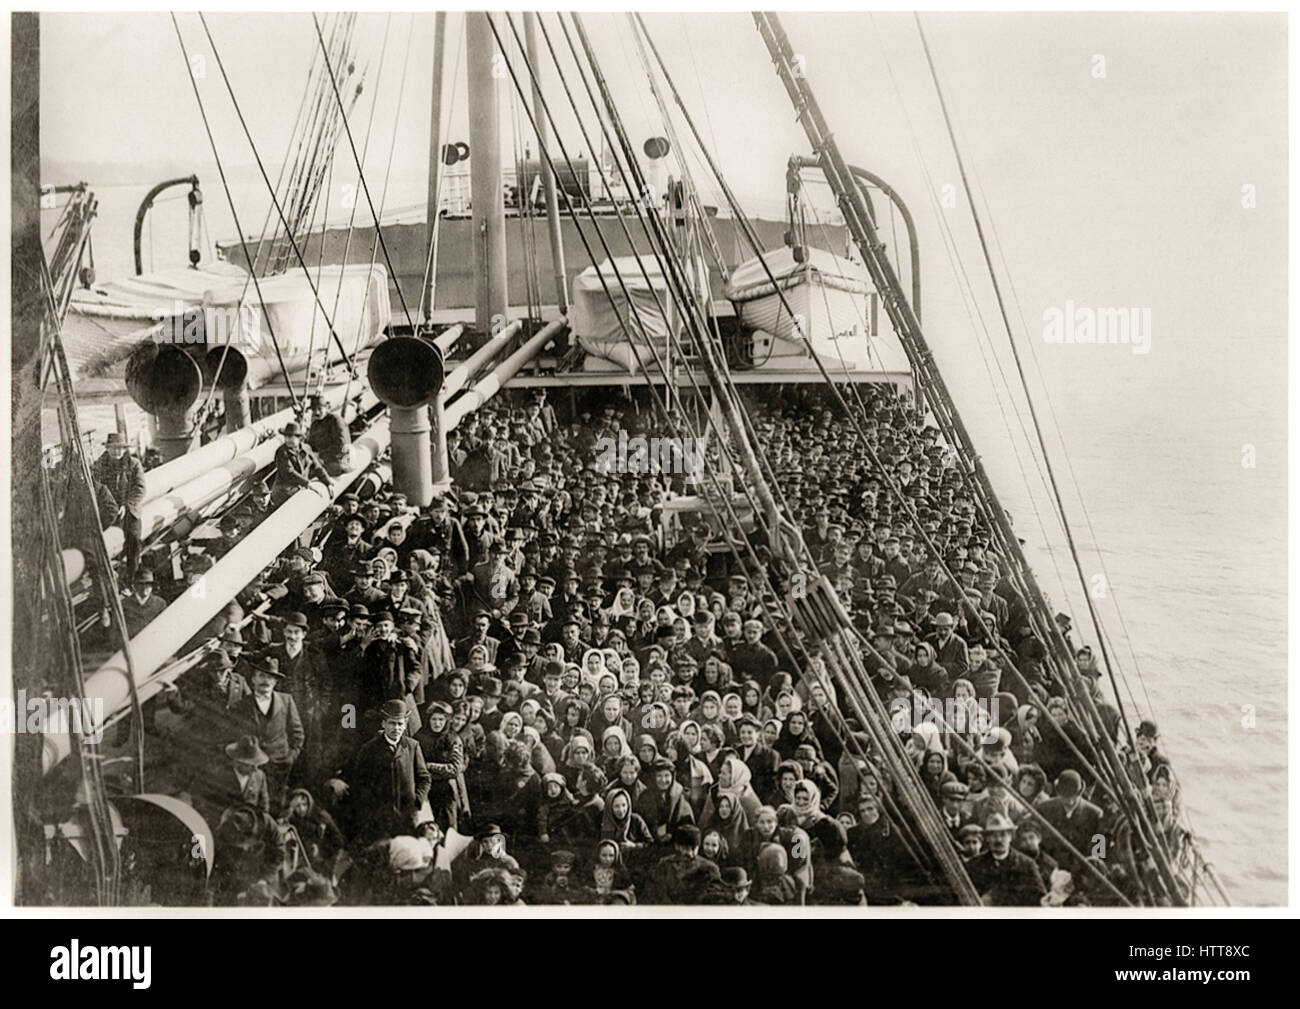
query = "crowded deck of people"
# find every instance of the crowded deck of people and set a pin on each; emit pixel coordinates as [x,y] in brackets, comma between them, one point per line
[554,685]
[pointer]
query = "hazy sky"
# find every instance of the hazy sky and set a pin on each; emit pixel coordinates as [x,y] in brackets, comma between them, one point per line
[1122,190]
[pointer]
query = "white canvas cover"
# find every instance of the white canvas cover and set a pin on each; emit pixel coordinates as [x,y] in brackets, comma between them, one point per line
[596,318]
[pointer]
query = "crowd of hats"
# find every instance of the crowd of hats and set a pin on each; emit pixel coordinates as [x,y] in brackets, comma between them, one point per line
[612,655]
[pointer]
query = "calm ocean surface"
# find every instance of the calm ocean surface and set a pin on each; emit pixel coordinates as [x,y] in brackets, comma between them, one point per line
[1195,544]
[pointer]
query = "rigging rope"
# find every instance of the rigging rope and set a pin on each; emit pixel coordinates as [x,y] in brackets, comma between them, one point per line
[275,202]
[225,185]
[1002,309]
[1141,822]
[379,234]
[431,256]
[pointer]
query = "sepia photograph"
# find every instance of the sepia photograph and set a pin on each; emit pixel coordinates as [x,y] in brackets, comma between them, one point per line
[622,464]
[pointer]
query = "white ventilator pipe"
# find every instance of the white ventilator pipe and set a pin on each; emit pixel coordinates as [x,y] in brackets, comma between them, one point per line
[183,469]
[108,688]
[169,476]
[74,561]
[467,368]
[488,386]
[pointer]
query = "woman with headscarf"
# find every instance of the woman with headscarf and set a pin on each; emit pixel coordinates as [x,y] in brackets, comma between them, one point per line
[1025,735]
[627,775]
[646,624]
[647,752]
[712,743]
[579,753]
[622,605]
[785,701]
[478,665]
[819,707]
[472,736]
[733,709]
[613,748]
[725,813]
[714,847]
[622,824]
[609,714]
[709,711]
[927,673]
[926,739]
[689,731]
[658,721]
[808,810]
[608,874]
[762,830]
[1030,785]
[820,772]
[689,771]
[544,723]
[574,714]
[735,776]
[593,663]
[519,794]
[794,732]
[512,724]
[556,806]
[528,709]
[781,683]
[714,675]
[645,696]
[934,770]
[606,685]
[963,715]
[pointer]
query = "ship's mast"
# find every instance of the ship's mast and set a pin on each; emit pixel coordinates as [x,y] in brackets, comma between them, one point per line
[488,208]
[543,165]
[435,148]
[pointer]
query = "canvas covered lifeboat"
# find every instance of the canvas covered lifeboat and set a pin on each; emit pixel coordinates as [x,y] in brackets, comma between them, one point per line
[631,292]
[216,306]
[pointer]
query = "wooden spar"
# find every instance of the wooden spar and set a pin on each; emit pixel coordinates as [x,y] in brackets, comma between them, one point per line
[435,148]
[439,468]
[178,472]
[108,689]
[490,384]
[461,374]
[544,168]
[155,645]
